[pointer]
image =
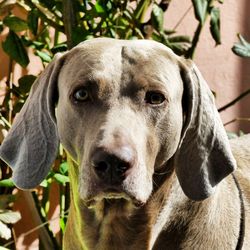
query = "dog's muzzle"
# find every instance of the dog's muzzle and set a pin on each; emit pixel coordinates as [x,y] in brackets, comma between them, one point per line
[110,168]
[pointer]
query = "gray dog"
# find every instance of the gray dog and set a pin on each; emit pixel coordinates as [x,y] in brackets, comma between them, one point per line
[150,162]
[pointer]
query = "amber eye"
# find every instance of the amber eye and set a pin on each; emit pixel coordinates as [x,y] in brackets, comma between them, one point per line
[154,98]
[81,95]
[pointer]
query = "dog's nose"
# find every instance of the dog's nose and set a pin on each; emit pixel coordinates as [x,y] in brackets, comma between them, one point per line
[110,167]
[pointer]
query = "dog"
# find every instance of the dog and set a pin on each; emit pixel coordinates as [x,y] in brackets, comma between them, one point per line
[150,163]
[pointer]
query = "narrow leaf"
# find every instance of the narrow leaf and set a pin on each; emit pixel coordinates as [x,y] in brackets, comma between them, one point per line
[9,217]
[215,25]
[7,183]
[200,9]
[25,83]
[44,56]
[243,41]
[99,9]
[62,179]
[157,17]
[33,21]
[44,183]
[59,48]
[15,23]
[62,225]
[241,50]
[179,39]
[64,168]
[13,46]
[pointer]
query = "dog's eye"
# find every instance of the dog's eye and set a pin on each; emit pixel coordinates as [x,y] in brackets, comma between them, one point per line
[154,98]
[81,95]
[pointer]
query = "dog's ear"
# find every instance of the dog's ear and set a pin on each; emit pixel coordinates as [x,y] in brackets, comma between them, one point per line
[32,142]
[204,156]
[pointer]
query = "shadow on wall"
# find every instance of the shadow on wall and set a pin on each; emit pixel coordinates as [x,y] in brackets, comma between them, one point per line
[244,80]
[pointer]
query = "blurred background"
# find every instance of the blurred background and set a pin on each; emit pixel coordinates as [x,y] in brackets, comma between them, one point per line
[213,33]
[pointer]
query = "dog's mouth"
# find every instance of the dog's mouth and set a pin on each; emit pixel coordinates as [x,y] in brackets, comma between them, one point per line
[112,198]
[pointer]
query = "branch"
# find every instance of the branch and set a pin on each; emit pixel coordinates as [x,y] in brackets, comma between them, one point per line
[70,21]
[245,93]
[182,17]
[237,119]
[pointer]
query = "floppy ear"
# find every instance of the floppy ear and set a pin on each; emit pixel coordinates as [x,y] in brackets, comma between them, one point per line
[204,156]
[32,142]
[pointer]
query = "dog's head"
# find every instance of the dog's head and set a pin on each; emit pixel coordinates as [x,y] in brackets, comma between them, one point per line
[122,110]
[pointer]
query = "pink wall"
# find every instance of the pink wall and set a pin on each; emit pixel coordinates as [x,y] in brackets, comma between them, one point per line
[227,74]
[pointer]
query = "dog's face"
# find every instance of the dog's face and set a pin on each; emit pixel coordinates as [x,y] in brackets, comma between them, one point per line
[119,116]
[124,109]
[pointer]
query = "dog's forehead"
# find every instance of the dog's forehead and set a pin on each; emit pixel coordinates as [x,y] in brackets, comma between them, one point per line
[111,60]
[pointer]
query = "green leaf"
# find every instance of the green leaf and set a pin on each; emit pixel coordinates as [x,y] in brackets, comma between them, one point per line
[157,17]
[200,9]
[99,9]
[62,225]
[79,35]
[7,183]
[64,167]
[242,48]
[13,46]
[62,179]
[33,21]
[45,57]
[141,8]
[15,23]
[215,25]
[45,183]
[179,39]
[59,48]
[25,83]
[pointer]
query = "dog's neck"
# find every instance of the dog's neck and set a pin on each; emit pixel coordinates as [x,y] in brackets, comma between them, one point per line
[164,219]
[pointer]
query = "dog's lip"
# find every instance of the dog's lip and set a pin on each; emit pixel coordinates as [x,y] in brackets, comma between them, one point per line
[110,195]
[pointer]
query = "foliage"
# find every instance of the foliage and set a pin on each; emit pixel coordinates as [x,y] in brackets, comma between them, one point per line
[242,48]
[46,27]
[7,216]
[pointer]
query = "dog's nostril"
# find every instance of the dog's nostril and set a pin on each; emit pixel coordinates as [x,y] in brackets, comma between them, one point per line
[102,166]
[109,167]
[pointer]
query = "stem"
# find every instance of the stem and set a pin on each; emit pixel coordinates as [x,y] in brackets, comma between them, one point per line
[182,17]
[141,10]
[191,51]
[70,21]
[242,95]
[50,239]
[9,86]
[237,119]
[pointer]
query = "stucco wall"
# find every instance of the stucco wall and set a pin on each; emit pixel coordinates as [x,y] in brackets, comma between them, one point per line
[227,74]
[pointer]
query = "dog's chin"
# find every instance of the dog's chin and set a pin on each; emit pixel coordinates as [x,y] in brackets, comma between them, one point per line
[113,199]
